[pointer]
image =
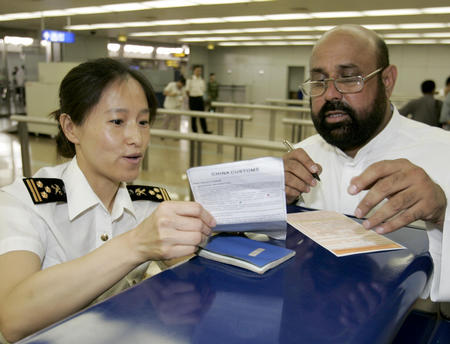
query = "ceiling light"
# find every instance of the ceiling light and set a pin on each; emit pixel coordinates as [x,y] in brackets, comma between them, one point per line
[436,10]
[394,12]
[14,40]
[244,19]
[436,34]
[421,41]
[381,26]
[402,35]
[339,14]
[422,26]
[204,20]
[288,16]
[259,29]
[131,6]
[394,41]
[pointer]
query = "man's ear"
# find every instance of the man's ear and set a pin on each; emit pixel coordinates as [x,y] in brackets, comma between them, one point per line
[69,128]
[389,76]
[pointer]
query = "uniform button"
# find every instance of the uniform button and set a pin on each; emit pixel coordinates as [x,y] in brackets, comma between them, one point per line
[104,237]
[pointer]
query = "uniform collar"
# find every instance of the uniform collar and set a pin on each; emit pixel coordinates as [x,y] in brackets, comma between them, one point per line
[81,197]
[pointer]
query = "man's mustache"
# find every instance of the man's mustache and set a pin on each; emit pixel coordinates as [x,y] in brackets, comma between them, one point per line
[334,106]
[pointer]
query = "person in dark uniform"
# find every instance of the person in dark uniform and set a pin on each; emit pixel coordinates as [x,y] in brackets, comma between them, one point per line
[75,230]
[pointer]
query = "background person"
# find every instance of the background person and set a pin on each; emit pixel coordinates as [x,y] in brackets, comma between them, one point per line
[74,230]
[195,89]
[174,94]
[372,161]
[445,111]
[212,91]
[425,109]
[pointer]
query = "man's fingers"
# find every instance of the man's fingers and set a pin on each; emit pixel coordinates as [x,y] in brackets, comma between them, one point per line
[400,204]
[390,187]
[374,173]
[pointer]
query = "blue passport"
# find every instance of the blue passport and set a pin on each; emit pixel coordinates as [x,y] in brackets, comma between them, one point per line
[246,253]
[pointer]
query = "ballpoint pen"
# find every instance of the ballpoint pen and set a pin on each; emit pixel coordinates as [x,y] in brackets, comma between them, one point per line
[290,148]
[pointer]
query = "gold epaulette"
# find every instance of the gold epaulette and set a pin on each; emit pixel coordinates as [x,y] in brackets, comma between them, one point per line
[46,190]
[147,193]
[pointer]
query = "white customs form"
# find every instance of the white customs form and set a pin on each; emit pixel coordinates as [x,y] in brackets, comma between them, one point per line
[339,234]
[243,195]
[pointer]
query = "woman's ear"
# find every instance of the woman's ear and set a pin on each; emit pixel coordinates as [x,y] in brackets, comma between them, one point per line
[69,128]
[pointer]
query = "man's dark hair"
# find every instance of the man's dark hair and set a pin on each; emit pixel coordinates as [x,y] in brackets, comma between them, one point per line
[428,86]
[382,52]
[448,81]
[82,88]
[182,80]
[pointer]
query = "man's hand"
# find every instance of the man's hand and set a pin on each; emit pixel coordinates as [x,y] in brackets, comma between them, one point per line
[411,195]
[298,178]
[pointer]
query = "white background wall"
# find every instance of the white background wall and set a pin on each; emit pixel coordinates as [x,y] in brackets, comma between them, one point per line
[264,70]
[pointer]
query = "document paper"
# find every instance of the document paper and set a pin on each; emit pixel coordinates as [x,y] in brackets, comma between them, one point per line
[243,195]
[339,234]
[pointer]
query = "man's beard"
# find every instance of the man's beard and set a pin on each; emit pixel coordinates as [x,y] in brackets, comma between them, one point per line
[355,131]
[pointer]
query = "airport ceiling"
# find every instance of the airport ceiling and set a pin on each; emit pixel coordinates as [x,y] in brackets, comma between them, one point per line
[222,29]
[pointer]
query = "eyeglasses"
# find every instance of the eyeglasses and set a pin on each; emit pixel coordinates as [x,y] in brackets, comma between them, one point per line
[352,84]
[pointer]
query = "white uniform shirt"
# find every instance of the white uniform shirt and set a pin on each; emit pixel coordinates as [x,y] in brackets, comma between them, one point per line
[425,146]
[175,99]
[61,231]
[195,86]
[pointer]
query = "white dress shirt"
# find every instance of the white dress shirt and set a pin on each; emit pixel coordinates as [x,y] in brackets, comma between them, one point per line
[423,145]
[195,86]
[61,231]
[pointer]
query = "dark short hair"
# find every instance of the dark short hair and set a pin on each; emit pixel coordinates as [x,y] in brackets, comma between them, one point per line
[448,81]
[182,80]
[382,53]
[428,86]
[82,88]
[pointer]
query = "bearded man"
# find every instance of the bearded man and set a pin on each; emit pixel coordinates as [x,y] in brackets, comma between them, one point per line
[373,162]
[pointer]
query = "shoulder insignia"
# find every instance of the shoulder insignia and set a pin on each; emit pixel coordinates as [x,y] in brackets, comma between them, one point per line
[46,190]
[147,193]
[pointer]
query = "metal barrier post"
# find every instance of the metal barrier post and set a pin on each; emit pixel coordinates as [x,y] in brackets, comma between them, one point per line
[24,148]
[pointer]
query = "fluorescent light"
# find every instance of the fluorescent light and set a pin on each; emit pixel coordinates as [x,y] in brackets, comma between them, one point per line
[296,28]
[323,28]
[169,50]
[421,41]
[302,37]
[14,40]
[268,37]
[444,41]
[228,44]
[225,31]
[393,12]
[114,47]
[394,41]
[422,26]
[302,43]
[86,10]
[204,20]
[288,16]
[402,35]
[55,13]
[436,10]
[131,6]
[381,26]
[339,14]
[236,19]
[259,29]
[436,34]
[168,3]
[139,49]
